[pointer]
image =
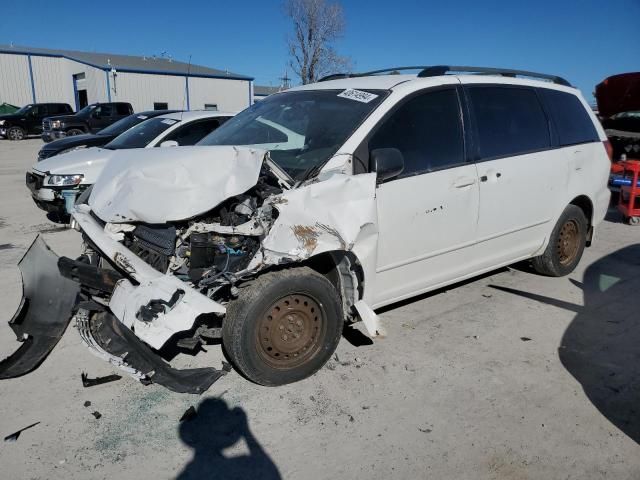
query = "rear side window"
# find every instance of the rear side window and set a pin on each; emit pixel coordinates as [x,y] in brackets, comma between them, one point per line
[510,121]
[193,132]
[572,122]
[427,129]
[123,109]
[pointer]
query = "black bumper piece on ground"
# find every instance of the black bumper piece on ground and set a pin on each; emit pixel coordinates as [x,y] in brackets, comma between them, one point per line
[117,340]
[44,313]
[51,293]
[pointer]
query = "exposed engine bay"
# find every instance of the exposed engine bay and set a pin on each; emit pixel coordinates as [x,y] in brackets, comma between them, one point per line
[211,250]
[160,264]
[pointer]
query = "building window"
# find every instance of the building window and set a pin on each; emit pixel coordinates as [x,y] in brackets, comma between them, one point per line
[211,106]
[160,106]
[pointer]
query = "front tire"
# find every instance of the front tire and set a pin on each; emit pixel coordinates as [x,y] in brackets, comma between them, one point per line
[16,133]
[566,244]
[283,327]
[74,131]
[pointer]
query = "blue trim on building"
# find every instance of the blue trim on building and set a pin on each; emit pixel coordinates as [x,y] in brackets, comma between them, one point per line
[106,72]
[128,70]
[33,84]
[186,86]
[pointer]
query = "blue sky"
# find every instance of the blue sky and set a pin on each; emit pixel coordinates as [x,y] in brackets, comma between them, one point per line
[585,41]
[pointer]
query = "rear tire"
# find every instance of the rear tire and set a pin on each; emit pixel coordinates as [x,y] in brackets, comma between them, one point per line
[566,244]
[16,133]
[74,131]
[283,327]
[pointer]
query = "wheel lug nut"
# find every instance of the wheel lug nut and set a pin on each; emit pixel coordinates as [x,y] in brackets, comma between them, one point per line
[299,323]
[281,327]
[284,337]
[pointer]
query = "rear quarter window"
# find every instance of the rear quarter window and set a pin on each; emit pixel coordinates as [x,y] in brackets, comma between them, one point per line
[509,121]
[570,118]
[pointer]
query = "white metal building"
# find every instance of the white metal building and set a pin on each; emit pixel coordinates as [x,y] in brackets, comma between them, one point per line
[30,75]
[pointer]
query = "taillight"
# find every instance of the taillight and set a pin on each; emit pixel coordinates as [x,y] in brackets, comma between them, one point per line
[609,149]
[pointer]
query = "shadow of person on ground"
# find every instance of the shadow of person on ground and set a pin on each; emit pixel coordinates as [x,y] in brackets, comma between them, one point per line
[214,429]
[601,345]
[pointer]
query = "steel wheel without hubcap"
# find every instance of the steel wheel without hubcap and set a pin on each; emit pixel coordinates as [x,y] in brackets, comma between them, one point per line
[568,242]
[288,333]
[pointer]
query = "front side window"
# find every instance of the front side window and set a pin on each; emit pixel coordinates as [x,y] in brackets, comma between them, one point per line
[105,110]
[301,129]
[510,121]
[142,134]
[427,130]
[570,118]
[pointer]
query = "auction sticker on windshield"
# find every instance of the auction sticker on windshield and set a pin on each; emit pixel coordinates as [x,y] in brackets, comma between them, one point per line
[358,95]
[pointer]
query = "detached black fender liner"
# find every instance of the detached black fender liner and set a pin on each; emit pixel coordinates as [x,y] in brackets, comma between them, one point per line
[111,340]
[44,312]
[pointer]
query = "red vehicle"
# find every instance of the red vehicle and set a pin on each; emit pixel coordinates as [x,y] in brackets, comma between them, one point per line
[618,100]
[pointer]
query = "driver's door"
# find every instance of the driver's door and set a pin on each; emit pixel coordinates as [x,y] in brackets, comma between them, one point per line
[427,216]
[102,117]
[34,119]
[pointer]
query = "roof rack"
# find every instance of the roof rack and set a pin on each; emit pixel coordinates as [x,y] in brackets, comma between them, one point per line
[337,76]
[438,70]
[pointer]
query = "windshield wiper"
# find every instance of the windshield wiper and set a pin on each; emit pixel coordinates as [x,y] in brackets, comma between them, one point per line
[310,172]
[280,174]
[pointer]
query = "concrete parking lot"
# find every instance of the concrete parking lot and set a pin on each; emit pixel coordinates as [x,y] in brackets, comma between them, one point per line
[508,376]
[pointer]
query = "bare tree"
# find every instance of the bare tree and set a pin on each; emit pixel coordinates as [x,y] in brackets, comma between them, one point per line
[317,24]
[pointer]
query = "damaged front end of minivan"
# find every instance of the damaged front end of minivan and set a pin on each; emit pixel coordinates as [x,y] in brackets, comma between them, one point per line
[167,249]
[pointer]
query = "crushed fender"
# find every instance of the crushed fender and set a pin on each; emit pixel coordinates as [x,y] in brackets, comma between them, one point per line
[44,312]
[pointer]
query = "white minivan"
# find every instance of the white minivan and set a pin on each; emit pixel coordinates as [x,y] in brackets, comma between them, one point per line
[317,206]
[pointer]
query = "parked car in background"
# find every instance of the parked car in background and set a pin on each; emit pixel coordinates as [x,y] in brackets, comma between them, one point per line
[104,136]
[313,208]
[90,119]
[28,120]
[56,181]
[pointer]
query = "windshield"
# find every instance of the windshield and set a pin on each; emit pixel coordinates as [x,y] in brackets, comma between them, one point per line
[142,134]
[123,125]
[86,109]
[301,130]
[23,110]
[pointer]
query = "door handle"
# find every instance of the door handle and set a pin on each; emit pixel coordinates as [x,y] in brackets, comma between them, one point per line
[464,182]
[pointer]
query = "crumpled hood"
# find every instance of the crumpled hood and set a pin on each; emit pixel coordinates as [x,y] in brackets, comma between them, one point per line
[88,162]
[159,185]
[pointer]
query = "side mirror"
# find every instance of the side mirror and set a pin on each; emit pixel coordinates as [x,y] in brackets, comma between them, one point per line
[169,143]
[387,163]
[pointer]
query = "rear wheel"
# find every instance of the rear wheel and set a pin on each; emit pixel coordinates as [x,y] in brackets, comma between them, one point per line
[566,244]
[16,133]
[283,327]
[74,131]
